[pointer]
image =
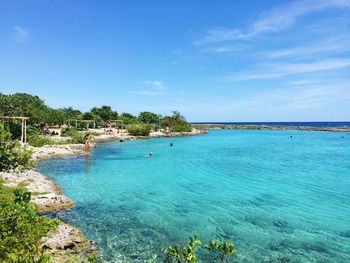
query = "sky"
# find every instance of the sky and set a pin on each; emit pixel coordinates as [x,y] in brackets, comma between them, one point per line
[211,60]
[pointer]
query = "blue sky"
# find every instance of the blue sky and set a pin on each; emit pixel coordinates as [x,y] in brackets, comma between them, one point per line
[211,60]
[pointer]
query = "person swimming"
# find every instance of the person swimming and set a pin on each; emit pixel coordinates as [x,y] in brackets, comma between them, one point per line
[150,154]
[171,144]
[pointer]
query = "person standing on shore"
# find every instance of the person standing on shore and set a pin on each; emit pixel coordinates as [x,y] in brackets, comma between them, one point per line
[87,140]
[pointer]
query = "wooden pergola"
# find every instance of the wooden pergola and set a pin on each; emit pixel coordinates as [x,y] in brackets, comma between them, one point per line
[23,125]
[110,122]
[84,121]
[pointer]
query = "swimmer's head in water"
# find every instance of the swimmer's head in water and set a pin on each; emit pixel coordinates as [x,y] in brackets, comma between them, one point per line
[150,154]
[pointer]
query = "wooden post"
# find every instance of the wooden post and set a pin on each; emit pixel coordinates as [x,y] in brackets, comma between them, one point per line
[25,131]
[22,123]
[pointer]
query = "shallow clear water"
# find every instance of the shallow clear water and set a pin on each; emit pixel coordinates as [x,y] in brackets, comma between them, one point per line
[280,199]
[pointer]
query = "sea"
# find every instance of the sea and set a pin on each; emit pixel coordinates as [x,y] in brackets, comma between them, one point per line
[279,196]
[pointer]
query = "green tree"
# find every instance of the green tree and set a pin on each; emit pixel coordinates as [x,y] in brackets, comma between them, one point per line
[177,117]
[104,112]
[176,123]
[70,113]
[22,104]
[149,117]
[91,116]
[167,122]
[128,118]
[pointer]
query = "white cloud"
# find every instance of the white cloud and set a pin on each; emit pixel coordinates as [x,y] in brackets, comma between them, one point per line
[316,96]
[221,49]
[146,92]
[273,21]
[20,34]
[277,70]
[292,98]
[334,46]
[155,84]
[153,88]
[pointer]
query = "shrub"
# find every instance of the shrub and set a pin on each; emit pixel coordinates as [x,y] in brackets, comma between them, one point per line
[184,253]
[95,133]
[12,154]
[76,137]
[181,127]
[21,228]
[139,129]
[222,248]
[188,254]
[38,140]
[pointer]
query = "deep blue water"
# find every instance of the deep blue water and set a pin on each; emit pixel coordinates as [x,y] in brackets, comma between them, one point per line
[307,124]
[278,198]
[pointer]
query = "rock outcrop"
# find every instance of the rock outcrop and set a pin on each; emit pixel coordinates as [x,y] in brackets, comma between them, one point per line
[46,195]
[68,241]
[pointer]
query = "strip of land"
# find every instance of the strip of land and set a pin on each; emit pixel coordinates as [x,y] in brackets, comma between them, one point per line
[269,127]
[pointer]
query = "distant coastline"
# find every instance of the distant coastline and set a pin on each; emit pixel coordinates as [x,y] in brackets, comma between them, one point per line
[299,124]
[302,126]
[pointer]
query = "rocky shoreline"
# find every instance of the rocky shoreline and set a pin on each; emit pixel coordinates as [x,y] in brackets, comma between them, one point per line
[47,196]
[67,241]
[54,151]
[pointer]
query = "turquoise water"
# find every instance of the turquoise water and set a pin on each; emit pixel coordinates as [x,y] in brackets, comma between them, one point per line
[279,199]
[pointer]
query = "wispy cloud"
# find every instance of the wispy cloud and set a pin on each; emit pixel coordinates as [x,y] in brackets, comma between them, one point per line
[283,69]
[273,21]
[20,34]
[221,49]
[153,88]
[334,46]
[298,97]
[292,98]
[313,97]
[146,92]
[155,84]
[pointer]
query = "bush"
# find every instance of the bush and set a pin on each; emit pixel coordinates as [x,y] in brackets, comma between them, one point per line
[37,140]
[188,254]
[139,129]
[21,228]
[12,154]
[181,127]
[95,133]
[76,137]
